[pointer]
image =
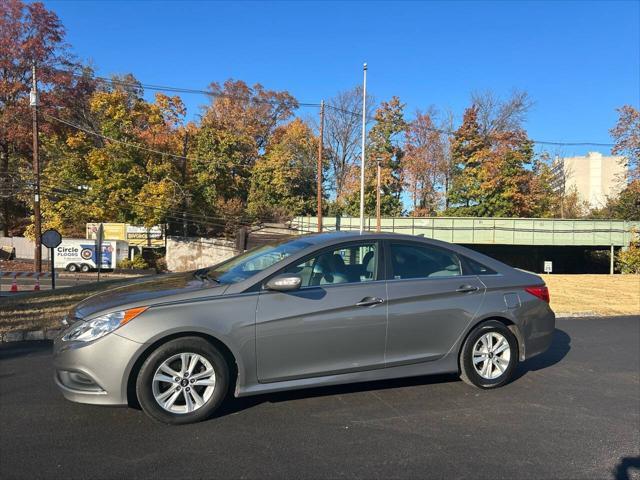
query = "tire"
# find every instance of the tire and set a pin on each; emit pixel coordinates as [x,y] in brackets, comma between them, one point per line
[84,268]
[187,407]
[72,267]
[494,366]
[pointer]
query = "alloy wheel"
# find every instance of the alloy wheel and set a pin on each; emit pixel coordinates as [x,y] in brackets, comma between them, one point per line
[184,383]
[491,355]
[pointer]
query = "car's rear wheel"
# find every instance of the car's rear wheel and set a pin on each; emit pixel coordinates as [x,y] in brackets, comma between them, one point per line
[183,381]
[489,355]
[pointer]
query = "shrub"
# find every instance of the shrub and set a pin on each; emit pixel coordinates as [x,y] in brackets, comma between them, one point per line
[629,260]
[138,263]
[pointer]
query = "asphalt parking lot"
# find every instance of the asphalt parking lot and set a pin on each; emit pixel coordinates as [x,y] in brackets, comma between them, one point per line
[574,412]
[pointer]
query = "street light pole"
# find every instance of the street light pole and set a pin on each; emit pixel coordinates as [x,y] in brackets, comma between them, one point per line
[378,197]
[364,127]
[319,188]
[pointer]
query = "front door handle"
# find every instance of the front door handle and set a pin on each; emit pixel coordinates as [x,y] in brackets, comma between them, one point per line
[369,301]
[466,289]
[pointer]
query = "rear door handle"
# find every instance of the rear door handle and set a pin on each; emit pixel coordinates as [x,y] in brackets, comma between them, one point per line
[466,289]
[369,301]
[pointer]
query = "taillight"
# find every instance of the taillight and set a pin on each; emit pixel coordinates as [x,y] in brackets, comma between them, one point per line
[542,292]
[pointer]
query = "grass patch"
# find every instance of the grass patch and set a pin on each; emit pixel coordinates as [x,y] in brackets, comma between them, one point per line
[602,294]
[44,310]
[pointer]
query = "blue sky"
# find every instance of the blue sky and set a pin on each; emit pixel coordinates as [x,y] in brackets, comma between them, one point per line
[578,60]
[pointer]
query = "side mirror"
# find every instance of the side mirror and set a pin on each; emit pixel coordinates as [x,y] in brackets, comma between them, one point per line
[285,282]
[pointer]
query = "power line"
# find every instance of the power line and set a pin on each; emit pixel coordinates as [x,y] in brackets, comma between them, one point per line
[164,88]
[71,189]
[451,132]
[52,192]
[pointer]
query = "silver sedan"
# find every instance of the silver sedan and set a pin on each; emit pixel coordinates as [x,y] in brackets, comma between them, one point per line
[318,310]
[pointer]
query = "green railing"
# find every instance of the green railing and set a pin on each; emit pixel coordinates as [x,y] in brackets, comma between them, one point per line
[499,231]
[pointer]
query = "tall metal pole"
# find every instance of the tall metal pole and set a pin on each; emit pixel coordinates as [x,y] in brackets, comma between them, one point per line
[364,127]
[320,140]
[36,170]
[378,198]
[185,149]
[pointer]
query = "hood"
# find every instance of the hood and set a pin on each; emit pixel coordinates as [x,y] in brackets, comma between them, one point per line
[146,291]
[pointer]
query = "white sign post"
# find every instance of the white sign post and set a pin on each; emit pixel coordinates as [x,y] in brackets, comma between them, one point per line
[548,266]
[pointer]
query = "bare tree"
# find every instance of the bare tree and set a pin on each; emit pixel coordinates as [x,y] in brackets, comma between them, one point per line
[343,123]
[496,115]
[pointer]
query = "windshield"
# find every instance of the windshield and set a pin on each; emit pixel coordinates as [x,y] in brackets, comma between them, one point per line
[254,261]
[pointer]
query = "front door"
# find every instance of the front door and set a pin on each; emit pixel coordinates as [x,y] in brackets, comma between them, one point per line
[335,323]
[430,302]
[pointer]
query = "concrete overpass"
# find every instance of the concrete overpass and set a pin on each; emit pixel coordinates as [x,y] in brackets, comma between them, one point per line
[551,237]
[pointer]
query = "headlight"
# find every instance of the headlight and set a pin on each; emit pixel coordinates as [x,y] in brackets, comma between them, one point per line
[100,326]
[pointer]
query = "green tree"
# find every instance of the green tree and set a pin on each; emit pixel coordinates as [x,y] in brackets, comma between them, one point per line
[495,175]
[383,147]
[283,183]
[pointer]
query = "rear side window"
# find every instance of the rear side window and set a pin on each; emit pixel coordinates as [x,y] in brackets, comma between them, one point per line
[422,261]
[477,268]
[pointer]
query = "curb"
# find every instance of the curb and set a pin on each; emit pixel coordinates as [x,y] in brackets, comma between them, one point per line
[30,335]
[579,315]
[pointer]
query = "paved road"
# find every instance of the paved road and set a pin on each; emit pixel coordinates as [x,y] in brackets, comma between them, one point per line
[573,413]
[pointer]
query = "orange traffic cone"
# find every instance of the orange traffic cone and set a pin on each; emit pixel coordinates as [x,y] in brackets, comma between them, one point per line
[37,287]
[14,285]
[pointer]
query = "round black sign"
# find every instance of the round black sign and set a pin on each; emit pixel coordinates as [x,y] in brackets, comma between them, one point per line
[51,238]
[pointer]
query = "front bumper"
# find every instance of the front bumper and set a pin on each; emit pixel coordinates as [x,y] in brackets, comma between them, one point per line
[95,372]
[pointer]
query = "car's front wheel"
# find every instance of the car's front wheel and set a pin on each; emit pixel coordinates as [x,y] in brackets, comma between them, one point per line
[183,381]
[489,356]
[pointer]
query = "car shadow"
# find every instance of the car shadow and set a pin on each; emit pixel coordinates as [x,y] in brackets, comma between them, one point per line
[557,351]
[559,348]
[235,405]
[626,467]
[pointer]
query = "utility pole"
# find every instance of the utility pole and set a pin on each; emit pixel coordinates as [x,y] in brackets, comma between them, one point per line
[378,198]
[320,140]
[36,169]
[364,127]
[185,201]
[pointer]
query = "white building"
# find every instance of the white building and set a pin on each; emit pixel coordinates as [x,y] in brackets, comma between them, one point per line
[595,177]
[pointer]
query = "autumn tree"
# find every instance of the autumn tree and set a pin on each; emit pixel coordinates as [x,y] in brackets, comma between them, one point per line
[342,134]
[125,173]
[29,34]
[235,131]
[283,181]
[384,148]
[493,173]
[424,164]
[626,135]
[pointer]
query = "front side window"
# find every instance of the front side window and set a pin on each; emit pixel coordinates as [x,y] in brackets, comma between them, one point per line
[351,263]
[422,261]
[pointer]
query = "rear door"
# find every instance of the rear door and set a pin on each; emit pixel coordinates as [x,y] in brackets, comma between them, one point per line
[430,301]
[335,323]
